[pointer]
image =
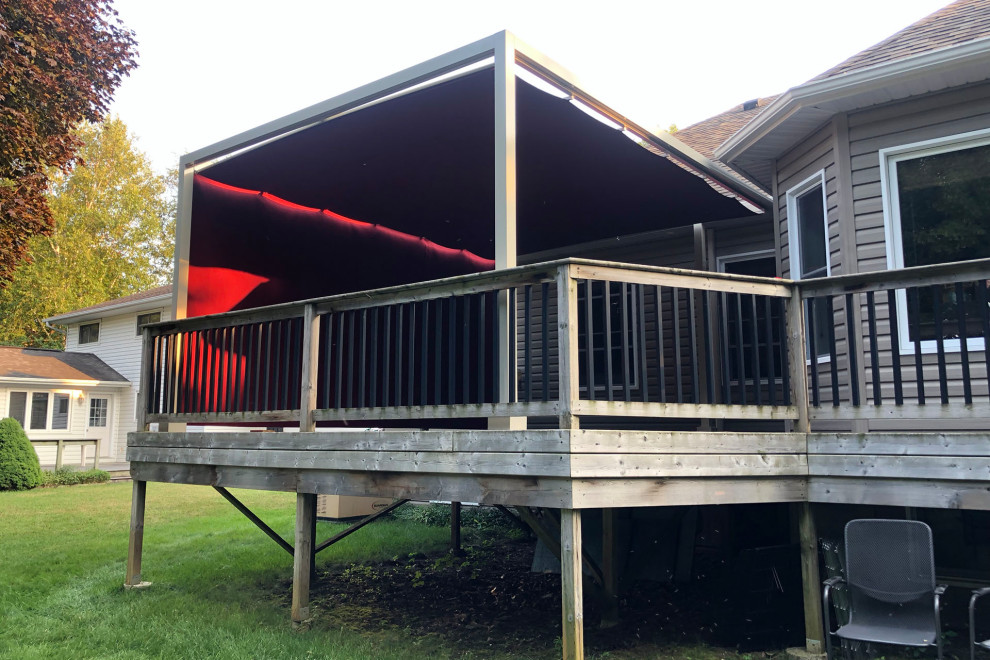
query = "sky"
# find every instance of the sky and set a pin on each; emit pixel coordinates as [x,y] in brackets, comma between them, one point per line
[209,69]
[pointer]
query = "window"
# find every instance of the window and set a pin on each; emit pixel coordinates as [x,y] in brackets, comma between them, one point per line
[150,317]
[60,412]
[807,228]
[39,410]
[937,210]
[18,406]
[89,333]
[98,412]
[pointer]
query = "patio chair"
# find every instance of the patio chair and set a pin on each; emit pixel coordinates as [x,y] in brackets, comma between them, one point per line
[973,644]
[890,579]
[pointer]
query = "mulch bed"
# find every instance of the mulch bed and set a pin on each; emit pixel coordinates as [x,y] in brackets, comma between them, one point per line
[489,600]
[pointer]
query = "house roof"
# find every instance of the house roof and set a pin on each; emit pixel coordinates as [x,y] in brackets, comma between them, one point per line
[44,364]
[135,301]
[706,135]
[946,49]
[954,24]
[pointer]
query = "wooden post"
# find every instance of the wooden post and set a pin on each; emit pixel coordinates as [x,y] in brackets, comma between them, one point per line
[309,370]
[610,566]
[59,448]
[814,631]
[302,566]
[144,381]
[796,359]
[567,346]
[570,584]
[455,528]
[132,580]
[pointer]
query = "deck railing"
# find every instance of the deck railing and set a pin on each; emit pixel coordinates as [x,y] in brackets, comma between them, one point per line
[916,349]
[588,339]
[572,337]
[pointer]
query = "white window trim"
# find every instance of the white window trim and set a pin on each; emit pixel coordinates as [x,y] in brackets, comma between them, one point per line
[793,232]
[99,333]
[889,158]
[49,411]
[161,317]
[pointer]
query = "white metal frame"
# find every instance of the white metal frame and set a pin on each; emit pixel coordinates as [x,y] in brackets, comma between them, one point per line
[794,232]
[889,158]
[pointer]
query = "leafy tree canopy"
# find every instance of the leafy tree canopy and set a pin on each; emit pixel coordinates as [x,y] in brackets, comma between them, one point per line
[113,235]
[60,62]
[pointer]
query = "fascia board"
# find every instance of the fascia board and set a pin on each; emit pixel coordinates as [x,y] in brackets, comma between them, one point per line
[111,310]
[832,91]
[363,95]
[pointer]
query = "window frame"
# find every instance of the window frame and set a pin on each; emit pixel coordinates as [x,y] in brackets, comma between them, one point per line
[137,322]
[79,340]
[893,237]
[795,267]
[29,406]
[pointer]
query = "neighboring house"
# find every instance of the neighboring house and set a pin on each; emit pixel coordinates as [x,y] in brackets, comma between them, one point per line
[596,387]
[110,333]
[62,396]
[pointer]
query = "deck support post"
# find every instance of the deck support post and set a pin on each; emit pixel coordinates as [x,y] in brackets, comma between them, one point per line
[302,566]
[132,580]
[571,586]
[610,572]
[814,631]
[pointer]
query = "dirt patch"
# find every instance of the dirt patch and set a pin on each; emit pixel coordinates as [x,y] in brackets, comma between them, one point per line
[489,602]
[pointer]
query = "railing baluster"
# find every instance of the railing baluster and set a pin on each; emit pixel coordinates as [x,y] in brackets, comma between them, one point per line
[871,310]
[289,384]
[351,346]
[914,295]
[156,370]
[661,374]
[626,371]
[466,353]
[641,339]
[239,377]
[833,354]
[785,369]
[228,355]
[693,347]
[895,347]
[527,343]
[339,366]
[607,316]
[386,353]
[363,358]
[589,354]
[268,365]
[755,352]
[326,328]
[723,316]
[545,338]
[188,399]
[452,304]
[963,343]
[811,324]
[438,353]
[169,373]
[258,364]
[424,371]
[852,350]
[675,299]
[943,378]
[482,302]
[706,320]
[771,358]
[984,307]
[740,351]
[399,329]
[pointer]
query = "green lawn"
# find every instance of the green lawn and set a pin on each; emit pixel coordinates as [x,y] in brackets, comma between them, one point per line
[62,555]
[220,586]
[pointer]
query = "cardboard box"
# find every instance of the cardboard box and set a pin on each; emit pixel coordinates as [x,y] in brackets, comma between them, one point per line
[338,507]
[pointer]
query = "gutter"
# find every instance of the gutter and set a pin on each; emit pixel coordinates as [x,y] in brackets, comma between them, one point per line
[75,383]
[830,90]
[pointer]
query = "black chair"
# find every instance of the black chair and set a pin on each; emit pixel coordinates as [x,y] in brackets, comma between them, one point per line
[890,579]
[973,644]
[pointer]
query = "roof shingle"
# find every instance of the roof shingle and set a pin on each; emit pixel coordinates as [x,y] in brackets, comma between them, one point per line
[16,362]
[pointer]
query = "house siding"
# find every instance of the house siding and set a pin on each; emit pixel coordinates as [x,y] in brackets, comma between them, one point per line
[120,348]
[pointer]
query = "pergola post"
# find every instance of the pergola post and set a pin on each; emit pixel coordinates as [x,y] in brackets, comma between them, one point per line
[572,606]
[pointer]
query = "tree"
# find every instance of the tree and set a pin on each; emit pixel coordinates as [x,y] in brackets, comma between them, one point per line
[113,235]
[60,62]
[19,467]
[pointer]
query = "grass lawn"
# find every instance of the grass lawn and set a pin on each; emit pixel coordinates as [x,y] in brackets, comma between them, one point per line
[216,580]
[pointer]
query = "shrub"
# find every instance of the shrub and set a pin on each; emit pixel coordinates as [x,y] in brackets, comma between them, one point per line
[66,476]
[19,467]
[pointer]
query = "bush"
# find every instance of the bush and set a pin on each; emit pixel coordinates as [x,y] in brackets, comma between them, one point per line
[19,467]
[66,476]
